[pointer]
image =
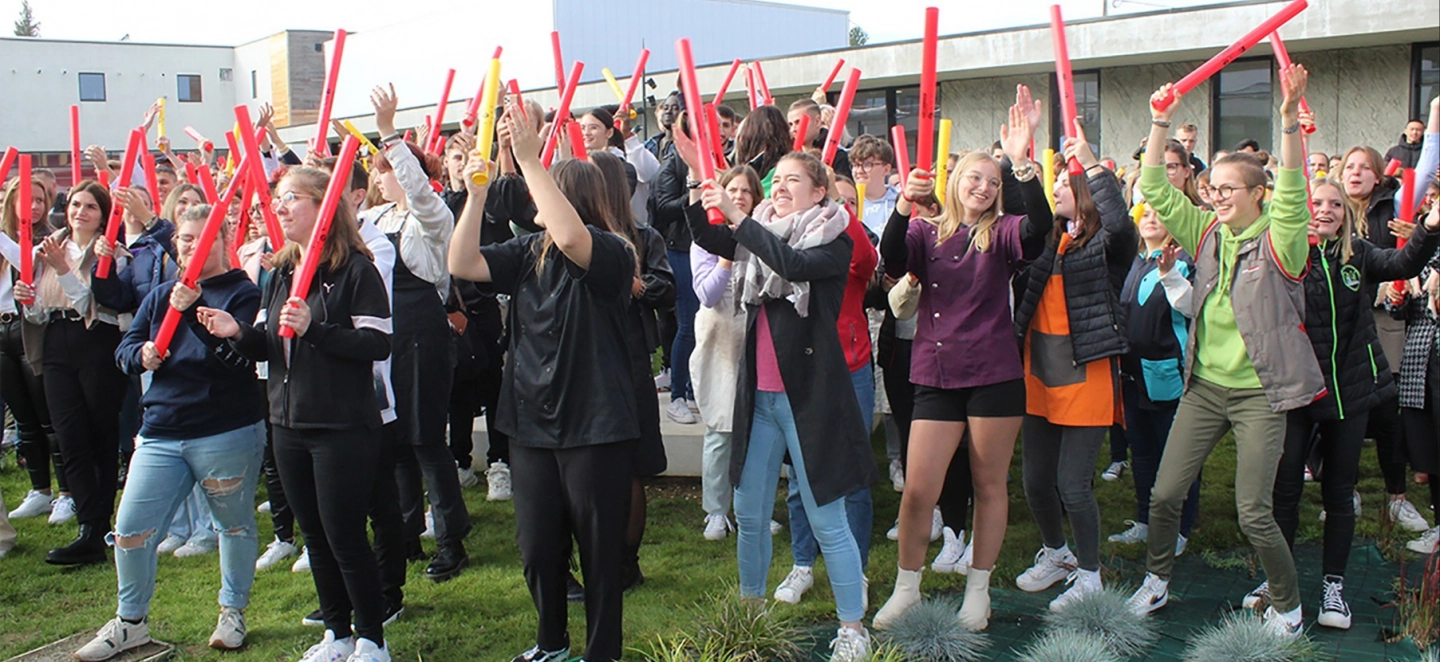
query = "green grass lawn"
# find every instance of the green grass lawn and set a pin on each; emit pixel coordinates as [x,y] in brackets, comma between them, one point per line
[486,613]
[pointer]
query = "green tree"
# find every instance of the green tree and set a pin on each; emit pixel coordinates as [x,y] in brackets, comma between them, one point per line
[858,36]
[26,25]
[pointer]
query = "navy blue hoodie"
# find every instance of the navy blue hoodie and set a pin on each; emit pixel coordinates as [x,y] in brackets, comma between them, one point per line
[152,263]
[204,387]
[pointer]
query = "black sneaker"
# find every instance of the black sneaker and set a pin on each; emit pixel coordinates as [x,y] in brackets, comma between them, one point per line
[574,591]
[314,619]
[392,613]
[448,563]
[414,551]
[88,548]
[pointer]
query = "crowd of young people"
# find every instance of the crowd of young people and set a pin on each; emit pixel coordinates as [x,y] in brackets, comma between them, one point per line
[1178,304]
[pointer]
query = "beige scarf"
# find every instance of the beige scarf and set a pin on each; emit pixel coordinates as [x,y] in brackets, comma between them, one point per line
[801,230]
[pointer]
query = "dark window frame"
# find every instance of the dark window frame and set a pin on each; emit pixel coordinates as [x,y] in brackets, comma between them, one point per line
[1095,134]
[1267,141]
[183,89]
[1419,102]
[80,83]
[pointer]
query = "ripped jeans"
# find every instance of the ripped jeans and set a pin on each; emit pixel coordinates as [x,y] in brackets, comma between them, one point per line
[162,474]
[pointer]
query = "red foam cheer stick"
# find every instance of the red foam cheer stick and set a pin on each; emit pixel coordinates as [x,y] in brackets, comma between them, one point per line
[830,80]
[26,229]
[562,114]
[127,170]
[437,140]
[725,84]
[559,61]
[634,85]
[1282,58]
[801,129]
[717,140]
[259,183]
[577,141]
[764,88]
[1392,168]
[842,115]
[1063,76]
[75,163]
[7,161]
[696,118]
[310,263]
[925,150]
[514,87]
[327,97]
[191,176]
[205,145]
[152,181]
[472,111]
[750,88]
[196,262]
[1231,52]
[207,182]
[902,153]
[1407,209]
[234,157]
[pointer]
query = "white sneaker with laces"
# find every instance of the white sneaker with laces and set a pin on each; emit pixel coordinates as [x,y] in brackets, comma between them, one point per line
[264,508]
[1137,533]
[1151,596]
[948,560]
[850,645]
[1402,512]
[467,477]
[1427,544]
[1255,597]
[34,504]
[275,553]
[537,655]
[1082,582]
[302,564]
[63,510]
[1334,611]
[429,531]
[229,632]
[717,526]
[368,651]
[679,412]
[198,546]
[114,638]
[795,585]
[897,476]
[497,478]
[330,649]
[662,381]
[1051,565]
[937,523]
[1284,625]
[171,543]
[1114,471]
[894,532]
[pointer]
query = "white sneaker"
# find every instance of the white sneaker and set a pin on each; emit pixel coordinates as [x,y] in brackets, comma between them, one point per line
[35,504]
[1260,594]
[367,651]
[850,645]
[694,408]
[1114,471]
[1082,582]
[1284,625]
[467,477]
[330,649]
[1309,475]
[662,381]
[196,547]
[894,532]
[114,638]
[537,655]
[679,412]
[263,509]
[897,476]
[1151,596]
[1402,512]
[1427,544]
[229,632]
[1356,501]
[717,526]
[63,510]
[775,528]
[1137,533]
[1181,542]
[951,553]
[497,477]
[937,524]
[302,564]
[1334,611]
[1051,565]
[276,552]
[795,585]
[429,531]
[171,543]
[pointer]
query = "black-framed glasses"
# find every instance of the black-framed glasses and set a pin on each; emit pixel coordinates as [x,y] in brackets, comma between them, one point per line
[1224,192]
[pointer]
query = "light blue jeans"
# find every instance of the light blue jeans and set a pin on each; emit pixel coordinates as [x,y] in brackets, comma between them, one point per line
[859,507]
[192,520]
[772,432]
[162,474]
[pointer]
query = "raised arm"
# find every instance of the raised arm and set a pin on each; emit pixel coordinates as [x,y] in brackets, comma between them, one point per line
[1429,160]
[552,208]
[1185,221]
[1289,211]
[464,258]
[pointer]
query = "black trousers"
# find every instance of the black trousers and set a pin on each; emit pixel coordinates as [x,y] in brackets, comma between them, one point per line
[430,464]
[282,518]
[386,521]
[84,389]
[585,493]
[1389,436]
[1339,448]
[329,477]
[24,393]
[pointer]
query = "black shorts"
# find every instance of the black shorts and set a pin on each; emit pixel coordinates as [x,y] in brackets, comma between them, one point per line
[957,404]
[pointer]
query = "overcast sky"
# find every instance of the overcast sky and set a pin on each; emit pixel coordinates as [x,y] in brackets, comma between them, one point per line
[229,23]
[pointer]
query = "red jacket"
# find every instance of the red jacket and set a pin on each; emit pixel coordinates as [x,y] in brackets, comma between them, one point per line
[854,326]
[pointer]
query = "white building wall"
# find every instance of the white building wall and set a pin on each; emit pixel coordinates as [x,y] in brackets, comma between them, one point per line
[40,83]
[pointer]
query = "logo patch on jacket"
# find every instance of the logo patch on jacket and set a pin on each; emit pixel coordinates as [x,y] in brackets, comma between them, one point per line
[1350,276]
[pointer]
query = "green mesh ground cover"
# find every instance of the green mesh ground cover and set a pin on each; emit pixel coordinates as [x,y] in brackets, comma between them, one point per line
[1200,594]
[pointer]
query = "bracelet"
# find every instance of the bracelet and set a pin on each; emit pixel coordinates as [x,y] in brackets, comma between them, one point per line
[1290,130]
[692,184]
[1164,124]
[390,138]
[1024,173]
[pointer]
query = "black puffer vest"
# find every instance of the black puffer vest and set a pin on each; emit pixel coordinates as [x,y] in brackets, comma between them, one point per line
[1094,275]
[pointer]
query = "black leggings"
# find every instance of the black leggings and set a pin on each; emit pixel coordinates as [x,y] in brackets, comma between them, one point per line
[329,476]
[24,393]
[585,493]
[1339,447]
[83,388]
[959,487]
[1389,435]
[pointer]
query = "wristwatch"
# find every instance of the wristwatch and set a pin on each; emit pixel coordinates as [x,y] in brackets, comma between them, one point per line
[1024,173]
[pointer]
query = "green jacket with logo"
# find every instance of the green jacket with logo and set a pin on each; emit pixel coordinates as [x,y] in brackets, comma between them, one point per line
[1341,324]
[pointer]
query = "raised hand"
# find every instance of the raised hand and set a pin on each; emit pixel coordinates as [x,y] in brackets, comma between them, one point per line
[384,101]
[713,196]
[1166,261]
[1017,135]
[1293,80]
[685,145]
[522,137]
[1078,148]
[1164,91]
[1032,106]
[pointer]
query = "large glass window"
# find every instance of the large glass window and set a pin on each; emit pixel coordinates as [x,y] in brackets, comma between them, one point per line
[1243,105]
[1087,108]
[875,111]
[1425,76]
[92,87]
[189,88]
